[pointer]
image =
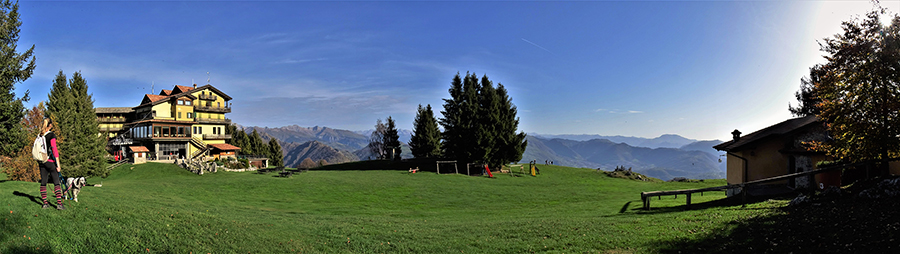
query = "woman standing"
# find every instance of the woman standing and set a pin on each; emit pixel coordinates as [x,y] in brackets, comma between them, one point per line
[50,169]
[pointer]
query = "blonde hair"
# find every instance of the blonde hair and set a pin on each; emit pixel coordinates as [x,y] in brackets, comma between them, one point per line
[45,124]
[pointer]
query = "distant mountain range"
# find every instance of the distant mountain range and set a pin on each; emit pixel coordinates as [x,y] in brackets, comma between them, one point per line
[696,160]
[664,141]
[336,138]
[663,157]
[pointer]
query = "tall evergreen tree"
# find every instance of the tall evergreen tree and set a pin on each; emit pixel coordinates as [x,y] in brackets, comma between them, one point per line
[480,123]
[72,109]
[391,138]
[256,143]
[275,153]
[451,120]
[14,68]
[485,126]
[426,138]
[510,145]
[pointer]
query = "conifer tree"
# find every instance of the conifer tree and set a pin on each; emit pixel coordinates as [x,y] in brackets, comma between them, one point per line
[485,126]
[72,109]
[257,144]
[14,68]
[276,155]
[451,120]
[426,138]
[510,145]
[480,123]
[392,138]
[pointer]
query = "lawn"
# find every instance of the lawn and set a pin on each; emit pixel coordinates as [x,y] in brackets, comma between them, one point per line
[160,208]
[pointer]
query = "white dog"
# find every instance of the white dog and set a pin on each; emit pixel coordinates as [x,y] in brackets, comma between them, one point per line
[74,185]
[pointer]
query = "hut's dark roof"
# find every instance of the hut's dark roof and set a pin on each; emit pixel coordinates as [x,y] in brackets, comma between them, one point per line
[779,129]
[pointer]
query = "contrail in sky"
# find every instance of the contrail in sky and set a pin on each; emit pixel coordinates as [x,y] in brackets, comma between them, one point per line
[539,46]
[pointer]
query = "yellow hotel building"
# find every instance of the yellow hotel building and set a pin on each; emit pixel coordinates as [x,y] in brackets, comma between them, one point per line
[185,122]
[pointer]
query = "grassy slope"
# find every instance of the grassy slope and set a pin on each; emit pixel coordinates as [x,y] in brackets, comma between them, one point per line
[162,208]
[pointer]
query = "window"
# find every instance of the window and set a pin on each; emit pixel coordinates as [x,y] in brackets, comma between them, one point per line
[214,130]
[195,129]
[180,102]
[188,103]
[218,104]
[179,114]
[190,115]
[220,130]
[200,129]
[156,131]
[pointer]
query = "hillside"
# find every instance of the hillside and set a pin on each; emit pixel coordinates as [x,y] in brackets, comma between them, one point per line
[662,163]
[663,141]
[336,138]
[295,153]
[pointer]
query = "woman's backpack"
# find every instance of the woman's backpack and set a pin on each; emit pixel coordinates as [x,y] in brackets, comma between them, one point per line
[39,150]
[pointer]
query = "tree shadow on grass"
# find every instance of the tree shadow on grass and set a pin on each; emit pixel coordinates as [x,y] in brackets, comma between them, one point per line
[838,226]
[33,198]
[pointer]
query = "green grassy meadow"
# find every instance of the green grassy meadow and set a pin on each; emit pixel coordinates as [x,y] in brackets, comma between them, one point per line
[160,208]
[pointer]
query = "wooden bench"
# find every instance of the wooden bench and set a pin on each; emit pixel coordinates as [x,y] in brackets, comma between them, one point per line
[645,196]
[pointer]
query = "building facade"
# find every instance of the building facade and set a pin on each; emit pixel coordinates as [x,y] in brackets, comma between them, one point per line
[185,122]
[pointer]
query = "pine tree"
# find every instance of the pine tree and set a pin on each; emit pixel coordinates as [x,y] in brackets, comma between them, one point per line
[14,68]
[72,110]
[256,143]
[426,138]
[391,138]
[451,119]
[276,155]
[480,123]
[510,145]
[485,127]
[92,147]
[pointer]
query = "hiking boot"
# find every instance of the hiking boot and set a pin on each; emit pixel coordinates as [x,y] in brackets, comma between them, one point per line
[45,206]
[60,207]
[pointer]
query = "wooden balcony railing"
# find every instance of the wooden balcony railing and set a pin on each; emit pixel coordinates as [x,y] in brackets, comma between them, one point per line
[215,136]
[213,121]
[208,97]
[110,120]
[212,109]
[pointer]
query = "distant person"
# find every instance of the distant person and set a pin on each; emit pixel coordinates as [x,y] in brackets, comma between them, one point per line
[51,168]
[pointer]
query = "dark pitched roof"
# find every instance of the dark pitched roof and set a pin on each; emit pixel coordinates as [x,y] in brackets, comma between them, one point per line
[165,92]
[113,110]
[779,129]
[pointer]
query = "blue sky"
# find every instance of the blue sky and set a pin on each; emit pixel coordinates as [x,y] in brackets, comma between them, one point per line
[696,68]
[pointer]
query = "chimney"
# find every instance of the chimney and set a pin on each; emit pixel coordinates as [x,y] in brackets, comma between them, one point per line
[736,135]
[195,86]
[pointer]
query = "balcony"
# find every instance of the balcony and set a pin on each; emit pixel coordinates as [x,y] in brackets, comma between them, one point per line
[212,109]
[111,120]
[214,136]
[213,121]
[110,129]
[208,97]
